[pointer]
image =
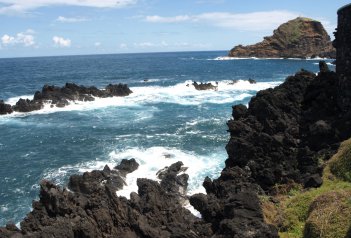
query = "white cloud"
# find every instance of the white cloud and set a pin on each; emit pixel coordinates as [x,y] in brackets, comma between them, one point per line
[123,46]
[71,19]
[27,40]
[23,38]
[144,44]
[6,39]
[23,6]
[173,45]
[254,21]
[61,42]
[97,44]
[160,19]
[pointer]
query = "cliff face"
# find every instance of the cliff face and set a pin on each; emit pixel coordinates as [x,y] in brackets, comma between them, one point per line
[298,38]
[343,57]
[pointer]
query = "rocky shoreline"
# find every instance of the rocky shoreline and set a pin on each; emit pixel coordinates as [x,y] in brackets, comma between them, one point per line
[62,96]
[283,137]
[274,141]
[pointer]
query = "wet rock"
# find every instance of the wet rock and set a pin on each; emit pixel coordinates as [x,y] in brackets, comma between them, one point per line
[204,86]
[239,111]
[91,208]
[61,96]
[173,181]
[26,105]
[5,108]
[252,81]
[323,67]
[127,166]
[117,90]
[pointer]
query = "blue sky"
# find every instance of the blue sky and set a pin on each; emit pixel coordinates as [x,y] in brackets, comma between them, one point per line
[71,27]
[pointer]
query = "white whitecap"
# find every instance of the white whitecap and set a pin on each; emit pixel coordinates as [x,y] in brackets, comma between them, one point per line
[13,100]
[150,160]
[182,93]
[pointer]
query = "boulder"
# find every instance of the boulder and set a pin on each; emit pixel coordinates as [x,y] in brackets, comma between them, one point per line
[5,108]
[26,105]
[127,166]
[239,111]
[323,67]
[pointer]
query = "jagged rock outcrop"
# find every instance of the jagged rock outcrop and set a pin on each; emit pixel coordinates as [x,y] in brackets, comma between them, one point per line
[343,57]
[92,209]
[5,108]
[298,38]
[204,86]
[281,138]
[61,96]
[282,131]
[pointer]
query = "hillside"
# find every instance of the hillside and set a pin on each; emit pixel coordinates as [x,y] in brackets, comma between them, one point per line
[298,38]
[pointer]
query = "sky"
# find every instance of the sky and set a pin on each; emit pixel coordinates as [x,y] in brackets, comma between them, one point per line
[79,27]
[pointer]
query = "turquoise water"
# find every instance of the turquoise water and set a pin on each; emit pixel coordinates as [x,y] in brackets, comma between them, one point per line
[162,122]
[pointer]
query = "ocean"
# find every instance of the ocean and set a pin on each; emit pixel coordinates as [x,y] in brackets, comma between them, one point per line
[163,121]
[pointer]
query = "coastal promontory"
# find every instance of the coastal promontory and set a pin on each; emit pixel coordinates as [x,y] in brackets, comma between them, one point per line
[298,38]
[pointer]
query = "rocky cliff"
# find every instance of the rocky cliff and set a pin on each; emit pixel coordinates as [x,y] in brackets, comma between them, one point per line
[298,38]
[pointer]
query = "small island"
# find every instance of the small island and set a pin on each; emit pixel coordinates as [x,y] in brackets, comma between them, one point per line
[298,38]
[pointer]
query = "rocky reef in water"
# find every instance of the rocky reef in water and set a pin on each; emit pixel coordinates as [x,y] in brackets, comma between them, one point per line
[298,38]
[62,96]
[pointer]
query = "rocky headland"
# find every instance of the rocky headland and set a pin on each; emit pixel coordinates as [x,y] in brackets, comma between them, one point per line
[287,174]
[62,96]
[298,38]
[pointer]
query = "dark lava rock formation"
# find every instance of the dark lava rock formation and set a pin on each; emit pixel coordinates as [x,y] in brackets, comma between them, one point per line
[204,86]
[298,38]
[60,97]
[280,138]
[92,209]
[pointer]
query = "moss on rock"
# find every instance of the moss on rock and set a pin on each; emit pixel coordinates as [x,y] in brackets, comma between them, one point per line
[329,215]
[340,164]
[317,212]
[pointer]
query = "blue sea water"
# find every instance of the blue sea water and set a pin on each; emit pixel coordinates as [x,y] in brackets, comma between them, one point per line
[162,122]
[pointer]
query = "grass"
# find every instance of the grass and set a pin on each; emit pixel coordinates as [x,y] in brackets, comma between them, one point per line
[341,167]
[327,210]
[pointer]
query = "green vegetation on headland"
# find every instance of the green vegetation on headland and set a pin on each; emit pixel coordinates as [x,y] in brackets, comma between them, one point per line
[317,212]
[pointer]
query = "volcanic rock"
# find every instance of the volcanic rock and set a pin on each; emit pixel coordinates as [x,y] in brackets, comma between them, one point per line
[204,86]
[127,166]
[5,108]
[92,209]
[60,97]
[298,38]
[279,134]
[26,105]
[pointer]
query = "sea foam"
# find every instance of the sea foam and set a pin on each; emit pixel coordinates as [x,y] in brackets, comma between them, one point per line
[182,93]
[150,160]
